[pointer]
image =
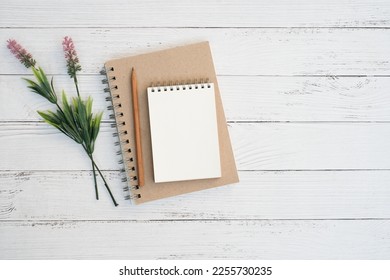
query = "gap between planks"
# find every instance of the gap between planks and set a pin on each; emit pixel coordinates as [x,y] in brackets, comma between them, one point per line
[225,75]
[194,27]
[222,220]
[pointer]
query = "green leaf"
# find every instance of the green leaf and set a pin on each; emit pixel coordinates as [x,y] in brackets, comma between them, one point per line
[89,106]
[96,124]
[35,87]
[50,120]
[52,90]
[74,134]
[83,121]
[68,112]
[48,117]
[42,86]
[56,120]
[58,116]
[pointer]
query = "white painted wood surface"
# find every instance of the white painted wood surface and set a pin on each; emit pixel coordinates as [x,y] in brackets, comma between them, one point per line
[203,13]
[246,98]
[236,51]
[257,146]
[306,92]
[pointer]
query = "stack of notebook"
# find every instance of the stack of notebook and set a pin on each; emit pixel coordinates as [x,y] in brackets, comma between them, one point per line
[171,121]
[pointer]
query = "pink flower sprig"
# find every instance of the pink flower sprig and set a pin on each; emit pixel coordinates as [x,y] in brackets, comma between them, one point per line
[75,118]
[72,61]
[20,53]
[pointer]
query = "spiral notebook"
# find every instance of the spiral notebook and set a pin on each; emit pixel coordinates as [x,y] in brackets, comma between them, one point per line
[168,79]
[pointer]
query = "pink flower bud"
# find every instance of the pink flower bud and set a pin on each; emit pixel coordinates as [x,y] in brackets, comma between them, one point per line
[72,61]
[20,53]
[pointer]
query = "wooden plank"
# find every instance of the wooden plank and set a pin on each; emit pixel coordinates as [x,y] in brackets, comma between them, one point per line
[303,13]
[280,51]
[32,195]
[338,239]
[257,146]
[311,146]
[246,98]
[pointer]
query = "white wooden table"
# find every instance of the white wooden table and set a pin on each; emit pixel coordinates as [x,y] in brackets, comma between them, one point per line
[306,90]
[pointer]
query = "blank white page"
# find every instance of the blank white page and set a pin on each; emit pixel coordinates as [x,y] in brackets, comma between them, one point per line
[184,132]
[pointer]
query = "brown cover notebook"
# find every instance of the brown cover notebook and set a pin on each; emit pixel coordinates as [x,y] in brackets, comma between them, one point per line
[184,64]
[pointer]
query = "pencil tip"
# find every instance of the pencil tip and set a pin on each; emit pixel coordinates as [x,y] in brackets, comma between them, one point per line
[132,68]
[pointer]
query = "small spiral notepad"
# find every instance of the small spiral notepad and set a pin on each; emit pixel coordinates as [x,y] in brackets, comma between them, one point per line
[185,141]
[184,132]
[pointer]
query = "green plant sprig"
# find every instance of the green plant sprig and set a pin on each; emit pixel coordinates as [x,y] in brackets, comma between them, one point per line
[75,119]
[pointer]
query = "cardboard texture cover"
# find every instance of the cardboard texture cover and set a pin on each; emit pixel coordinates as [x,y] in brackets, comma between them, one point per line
[184,64]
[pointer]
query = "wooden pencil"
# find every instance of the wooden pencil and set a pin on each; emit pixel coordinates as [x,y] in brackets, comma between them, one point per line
[137,129]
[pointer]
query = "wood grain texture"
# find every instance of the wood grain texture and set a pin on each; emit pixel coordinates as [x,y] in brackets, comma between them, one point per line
[305,87]
[203,13]
[257,146]
[243,51]
[44,195]
[247,239]
[246,98]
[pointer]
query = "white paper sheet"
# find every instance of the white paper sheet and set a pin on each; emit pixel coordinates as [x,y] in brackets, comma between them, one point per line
[184,132]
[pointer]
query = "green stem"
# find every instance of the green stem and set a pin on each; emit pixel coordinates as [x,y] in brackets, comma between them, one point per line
[94,179]
[106,185]
[77,85]
[104,180]
[59,108]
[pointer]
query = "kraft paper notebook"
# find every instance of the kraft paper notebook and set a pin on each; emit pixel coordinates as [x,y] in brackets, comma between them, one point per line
[185,141]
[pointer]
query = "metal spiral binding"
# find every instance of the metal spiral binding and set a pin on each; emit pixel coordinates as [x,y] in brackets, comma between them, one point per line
[120,134]
[181,85]
[132,196]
